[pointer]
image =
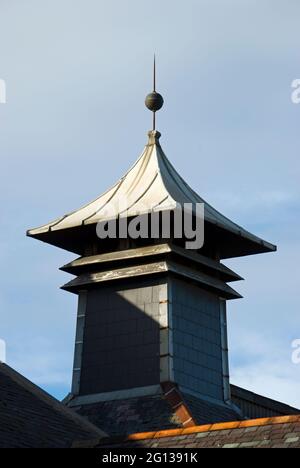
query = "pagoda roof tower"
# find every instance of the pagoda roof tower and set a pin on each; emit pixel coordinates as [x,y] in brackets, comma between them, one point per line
[152,319]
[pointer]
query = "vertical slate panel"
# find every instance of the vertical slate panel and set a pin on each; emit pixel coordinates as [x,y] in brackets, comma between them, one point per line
[121,340]
[82,303]
[197,339]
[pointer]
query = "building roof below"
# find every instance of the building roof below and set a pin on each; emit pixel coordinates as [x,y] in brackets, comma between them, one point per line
[32,418]
[152,413]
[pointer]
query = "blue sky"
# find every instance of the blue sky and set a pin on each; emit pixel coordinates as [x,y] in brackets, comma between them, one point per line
[77,73]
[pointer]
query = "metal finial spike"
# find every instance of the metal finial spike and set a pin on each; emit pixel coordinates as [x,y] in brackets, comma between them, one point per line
[154,101]
[154,75]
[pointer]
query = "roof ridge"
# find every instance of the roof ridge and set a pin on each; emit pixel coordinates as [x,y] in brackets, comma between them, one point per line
[215,427]
[190,430]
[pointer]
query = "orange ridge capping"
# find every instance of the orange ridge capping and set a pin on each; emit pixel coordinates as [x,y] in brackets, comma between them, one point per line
[173,396]
[213,427]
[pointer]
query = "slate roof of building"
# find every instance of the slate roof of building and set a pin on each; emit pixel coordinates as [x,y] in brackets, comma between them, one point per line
[130,415]
[151,413]
[255,406]
[29,417]
[157,412]
[280,432]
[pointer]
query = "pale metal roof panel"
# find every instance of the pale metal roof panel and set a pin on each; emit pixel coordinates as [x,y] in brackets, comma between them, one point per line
[151,184]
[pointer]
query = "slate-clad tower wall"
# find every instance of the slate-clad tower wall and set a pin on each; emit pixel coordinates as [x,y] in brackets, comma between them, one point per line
[197,342]
[120,340]
[145,332]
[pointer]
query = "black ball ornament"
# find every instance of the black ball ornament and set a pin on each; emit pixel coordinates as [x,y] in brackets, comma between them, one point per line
[154,101]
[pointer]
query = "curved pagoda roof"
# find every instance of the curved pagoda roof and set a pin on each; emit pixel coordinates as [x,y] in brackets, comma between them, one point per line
[152,184]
